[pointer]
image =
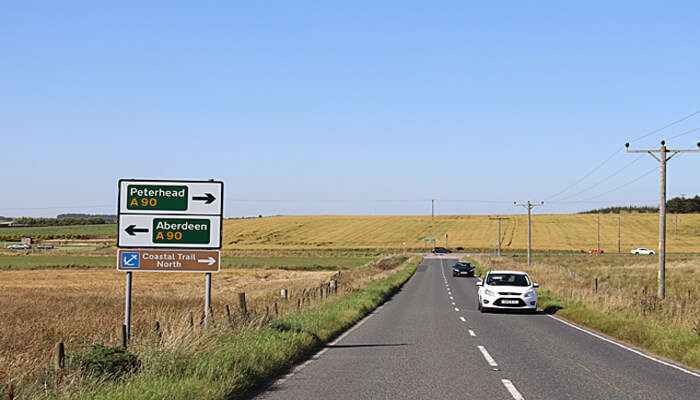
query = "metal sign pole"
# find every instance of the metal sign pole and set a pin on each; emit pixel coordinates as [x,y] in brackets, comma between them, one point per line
[207,299]
[127,305]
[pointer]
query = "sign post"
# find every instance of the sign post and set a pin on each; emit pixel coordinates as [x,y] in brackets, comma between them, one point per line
[169,226]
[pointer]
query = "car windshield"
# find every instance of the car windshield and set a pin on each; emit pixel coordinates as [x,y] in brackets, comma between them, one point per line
[464,265]
[507,280]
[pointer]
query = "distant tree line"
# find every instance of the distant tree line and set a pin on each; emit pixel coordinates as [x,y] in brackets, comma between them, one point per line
[619,210]
[30,221]
[677,205]
[5,219]
[681,205]
[106,217]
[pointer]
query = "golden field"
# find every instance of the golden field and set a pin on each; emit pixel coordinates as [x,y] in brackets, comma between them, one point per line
[550,232]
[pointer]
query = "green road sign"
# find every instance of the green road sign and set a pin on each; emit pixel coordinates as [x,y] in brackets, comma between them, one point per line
[430,240]
[156,197]
[181,231]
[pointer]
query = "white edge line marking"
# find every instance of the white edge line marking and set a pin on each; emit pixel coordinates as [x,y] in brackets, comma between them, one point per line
[668,364]
[453,303]
[463,320]
[456,309]
[317,355]
[452,298]
[471,333]
[487,356]
[511,388]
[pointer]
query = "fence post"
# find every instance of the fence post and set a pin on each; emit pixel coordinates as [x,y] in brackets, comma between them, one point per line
[156,329]
[12,392]
[276,310]
[59,357]
[644,291]
[228,315]
[299,303]
[191,320]
[284,293]
[123,335]
[334,286]
[595,286]
[242,305]
[211,316]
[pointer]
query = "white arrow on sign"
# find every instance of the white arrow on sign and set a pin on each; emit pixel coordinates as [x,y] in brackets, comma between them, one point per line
[208,260]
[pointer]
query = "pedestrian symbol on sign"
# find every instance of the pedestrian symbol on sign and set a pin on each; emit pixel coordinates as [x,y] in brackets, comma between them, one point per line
[130,260]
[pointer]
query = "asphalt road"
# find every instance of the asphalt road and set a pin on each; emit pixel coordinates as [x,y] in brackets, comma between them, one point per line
[430,342]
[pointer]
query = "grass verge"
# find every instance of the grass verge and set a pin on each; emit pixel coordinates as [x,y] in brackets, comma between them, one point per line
[673,342]
[234,365]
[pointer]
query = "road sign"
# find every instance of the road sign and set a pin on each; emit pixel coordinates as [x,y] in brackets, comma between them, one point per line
[171,197]
[168,214]
[430,240]
[171,260]
[169,231]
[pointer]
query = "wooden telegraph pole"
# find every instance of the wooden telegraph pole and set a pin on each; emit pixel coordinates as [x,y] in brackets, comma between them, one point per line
[499,219]
[663,158]
[529,207]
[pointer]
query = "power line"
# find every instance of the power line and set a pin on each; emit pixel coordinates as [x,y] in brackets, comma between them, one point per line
[603,180]
[587,175]
[623,185]
[605,161]
[694,113]
[685,133]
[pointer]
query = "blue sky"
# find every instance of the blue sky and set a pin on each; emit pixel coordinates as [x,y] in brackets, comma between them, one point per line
[359,108]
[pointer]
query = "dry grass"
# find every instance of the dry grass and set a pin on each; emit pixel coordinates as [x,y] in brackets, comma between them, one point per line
[80,307]
[550,232]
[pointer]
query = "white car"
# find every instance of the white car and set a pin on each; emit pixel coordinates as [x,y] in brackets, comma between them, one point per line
[507,290]
[642,250]
[19,246]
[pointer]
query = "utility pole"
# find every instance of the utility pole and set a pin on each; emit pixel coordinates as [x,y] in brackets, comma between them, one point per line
[529,207]
[663,158]
[446,246]
[675,229]
[499,231]
[598,219]
[619,224]
[432,207]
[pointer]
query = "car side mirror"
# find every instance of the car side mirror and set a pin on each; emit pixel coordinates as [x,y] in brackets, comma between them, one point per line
[479,284]
[535,285]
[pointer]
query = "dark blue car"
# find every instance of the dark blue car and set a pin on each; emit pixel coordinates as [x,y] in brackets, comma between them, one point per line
[462,269]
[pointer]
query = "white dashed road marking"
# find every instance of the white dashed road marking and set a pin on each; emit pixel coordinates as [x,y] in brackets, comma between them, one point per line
[511,388]
[487,356]
[463,320]
[471,333]
[456,309]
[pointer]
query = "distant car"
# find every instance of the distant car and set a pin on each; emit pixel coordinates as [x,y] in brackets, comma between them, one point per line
[463,269]
[21,246]
[45,246]
[642,250]
[513,290]
[441,250]
[596,251]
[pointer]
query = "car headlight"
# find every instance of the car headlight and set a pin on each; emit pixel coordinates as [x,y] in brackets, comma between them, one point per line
[489,292]
[530,293]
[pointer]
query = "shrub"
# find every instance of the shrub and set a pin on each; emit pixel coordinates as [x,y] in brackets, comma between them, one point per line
[104,360]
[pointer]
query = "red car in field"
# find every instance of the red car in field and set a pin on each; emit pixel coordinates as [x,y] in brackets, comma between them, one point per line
[595,251]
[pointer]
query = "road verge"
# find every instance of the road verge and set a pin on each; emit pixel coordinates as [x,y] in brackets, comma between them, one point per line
[234,365]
